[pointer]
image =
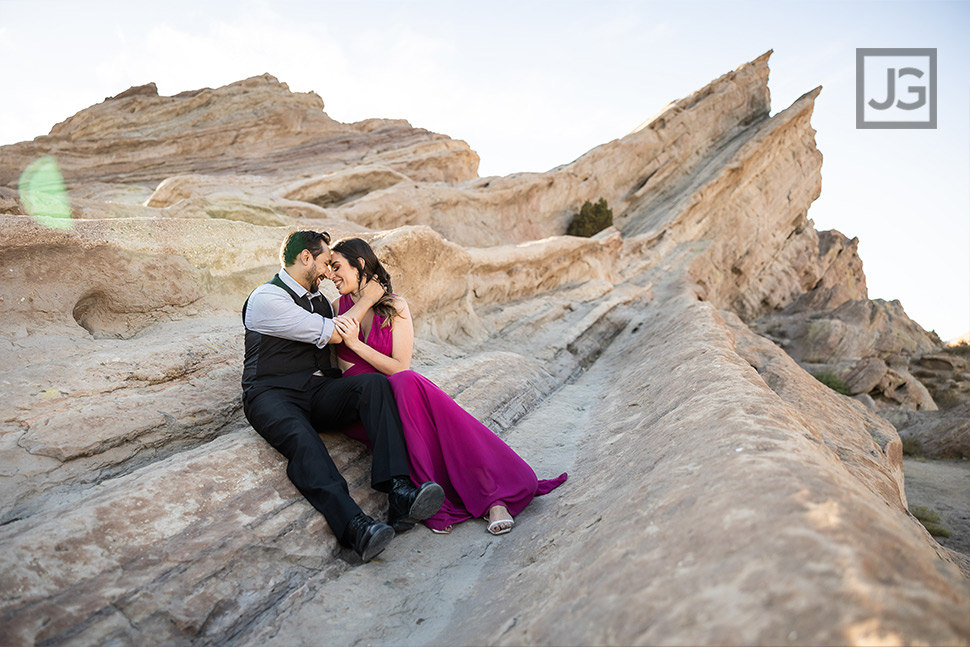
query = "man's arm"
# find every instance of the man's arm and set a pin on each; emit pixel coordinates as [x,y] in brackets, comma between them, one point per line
[272,312]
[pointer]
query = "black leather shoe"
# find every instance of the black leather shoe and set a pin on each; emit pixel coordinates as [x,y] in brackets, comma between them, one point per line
[367,537]
[408,505]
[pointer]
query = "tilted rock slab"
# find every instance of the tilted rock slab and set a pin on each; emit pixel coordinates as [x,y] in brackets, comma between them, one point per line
[753,506]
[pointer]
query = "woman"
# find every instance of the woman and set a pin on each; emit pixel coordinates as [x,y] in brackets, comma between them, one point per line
[481,475]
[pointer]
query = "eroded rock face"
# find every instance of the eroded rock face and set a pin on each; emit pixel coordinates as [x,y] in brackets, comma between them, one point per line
[255,127]
[945,375]
[868,344]
[841,277]
[856,329]
[935,434]
[717,491]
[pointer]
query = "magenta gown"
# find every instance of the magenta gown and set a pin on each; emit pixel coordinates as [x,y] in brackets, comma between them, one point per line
[447,445]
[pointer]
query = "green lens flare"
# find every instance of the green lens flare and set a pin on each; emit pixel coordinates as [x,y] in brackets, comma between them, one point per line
[43,194]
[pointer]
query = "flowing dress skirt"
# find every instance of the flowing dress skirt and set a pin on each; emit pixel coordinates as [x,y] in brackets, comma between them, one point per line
[449,446]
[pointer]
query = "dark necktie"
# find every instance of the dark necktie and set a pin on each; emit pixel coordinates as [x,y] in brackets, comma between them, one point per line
[317,305]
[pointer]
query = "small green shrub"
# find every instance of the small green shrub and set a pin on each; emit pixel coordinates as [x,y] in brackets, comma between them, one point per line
[832,381]
[912,446]
[947,398]
[591,219]
[930,520]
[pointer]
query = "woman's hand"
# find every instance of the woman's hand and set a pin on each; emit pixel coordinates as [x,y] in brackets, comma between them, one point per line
[349,329]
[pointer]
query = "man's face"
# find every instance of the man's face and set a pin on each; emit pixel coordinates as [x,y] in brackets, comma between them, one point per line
[318,269]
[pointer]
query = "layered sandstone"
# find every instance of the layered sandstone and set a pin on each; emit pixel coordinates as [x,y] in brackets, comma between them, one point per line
[255,127]
[718,493]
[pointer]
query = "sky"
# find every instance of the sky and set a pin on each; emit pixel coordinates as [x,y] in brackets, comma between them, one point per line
[532,85]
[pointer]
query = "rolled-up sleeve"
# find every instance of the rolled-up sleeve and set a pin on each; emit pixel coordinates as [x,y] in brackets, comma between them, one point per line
[271,311]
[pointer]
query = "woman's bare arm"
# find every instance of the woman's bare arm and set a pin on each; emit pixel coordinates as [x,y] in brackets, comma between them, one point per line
[401,352]
[369,295]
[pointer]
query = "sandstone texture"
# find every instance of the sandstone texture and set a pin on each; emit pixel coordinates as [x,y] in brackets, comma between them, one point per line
[718,492]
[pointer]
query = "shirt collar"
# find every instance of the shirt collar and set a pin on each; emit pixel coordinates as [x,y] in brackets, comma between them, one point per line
[294,285]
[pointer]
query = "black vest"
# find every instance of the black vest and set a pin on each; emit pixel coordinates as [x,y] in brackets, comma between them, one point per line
[283,363]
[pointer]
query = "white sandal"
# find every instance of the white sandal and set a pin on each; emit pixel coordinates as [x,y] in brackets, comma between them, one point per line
[495,527]
[501,531]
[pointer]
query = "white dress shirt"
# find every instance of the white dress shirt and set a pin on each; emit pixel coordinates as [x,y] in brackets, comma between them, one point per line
[272,311]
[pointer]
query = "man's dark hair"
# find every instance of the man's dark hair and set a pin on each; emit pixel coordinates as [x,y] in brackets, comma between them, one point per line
[296,242]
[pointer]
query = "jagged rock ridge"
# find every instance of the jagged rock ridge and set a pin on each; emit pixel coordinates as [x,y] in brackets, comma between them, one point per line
[718,492]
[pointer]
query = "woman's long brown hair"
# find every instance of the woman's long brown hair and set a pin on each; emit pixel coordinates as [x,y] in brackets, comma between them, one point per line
[353,249]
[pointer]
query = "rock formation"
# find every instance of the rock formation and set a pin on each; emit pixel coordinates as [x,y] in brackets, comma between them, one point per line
[934,434]
[869,344]
[945,375]
[718,493]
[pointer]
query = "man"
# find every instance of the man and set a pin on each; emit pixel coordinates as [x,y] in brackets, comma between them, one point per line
[291,391]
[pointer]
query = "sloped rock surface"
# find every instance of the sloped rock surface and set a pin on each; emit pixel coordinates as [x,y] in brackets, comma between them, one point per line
[717,492]
[654,160]
[678,551]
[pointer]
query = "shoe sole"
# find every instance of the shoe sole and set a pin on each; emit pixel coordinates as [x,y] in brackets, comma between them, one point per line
[429,500]
[378,542]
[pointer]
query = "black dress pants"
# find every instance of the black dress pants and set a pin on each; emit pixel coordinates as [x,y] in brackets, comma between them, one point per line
[291,419]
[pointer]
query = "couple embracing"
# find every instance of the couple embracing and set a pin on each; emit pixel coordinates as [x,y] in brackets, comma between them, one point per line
[435,461]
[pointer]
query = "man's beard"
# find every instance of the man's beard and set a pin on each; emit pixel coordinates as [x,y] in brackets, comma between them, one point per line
[314,281]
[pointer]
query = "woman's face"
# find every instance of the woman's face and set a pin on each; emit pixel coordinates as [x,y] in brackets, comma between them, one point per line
[344,274]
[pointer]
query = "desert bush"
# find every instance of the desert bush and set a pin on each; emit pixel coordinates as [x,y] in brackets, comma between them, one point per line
[591,219]
[947,397]
[930,519]
[963,348]
[911,446]
[832,381]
